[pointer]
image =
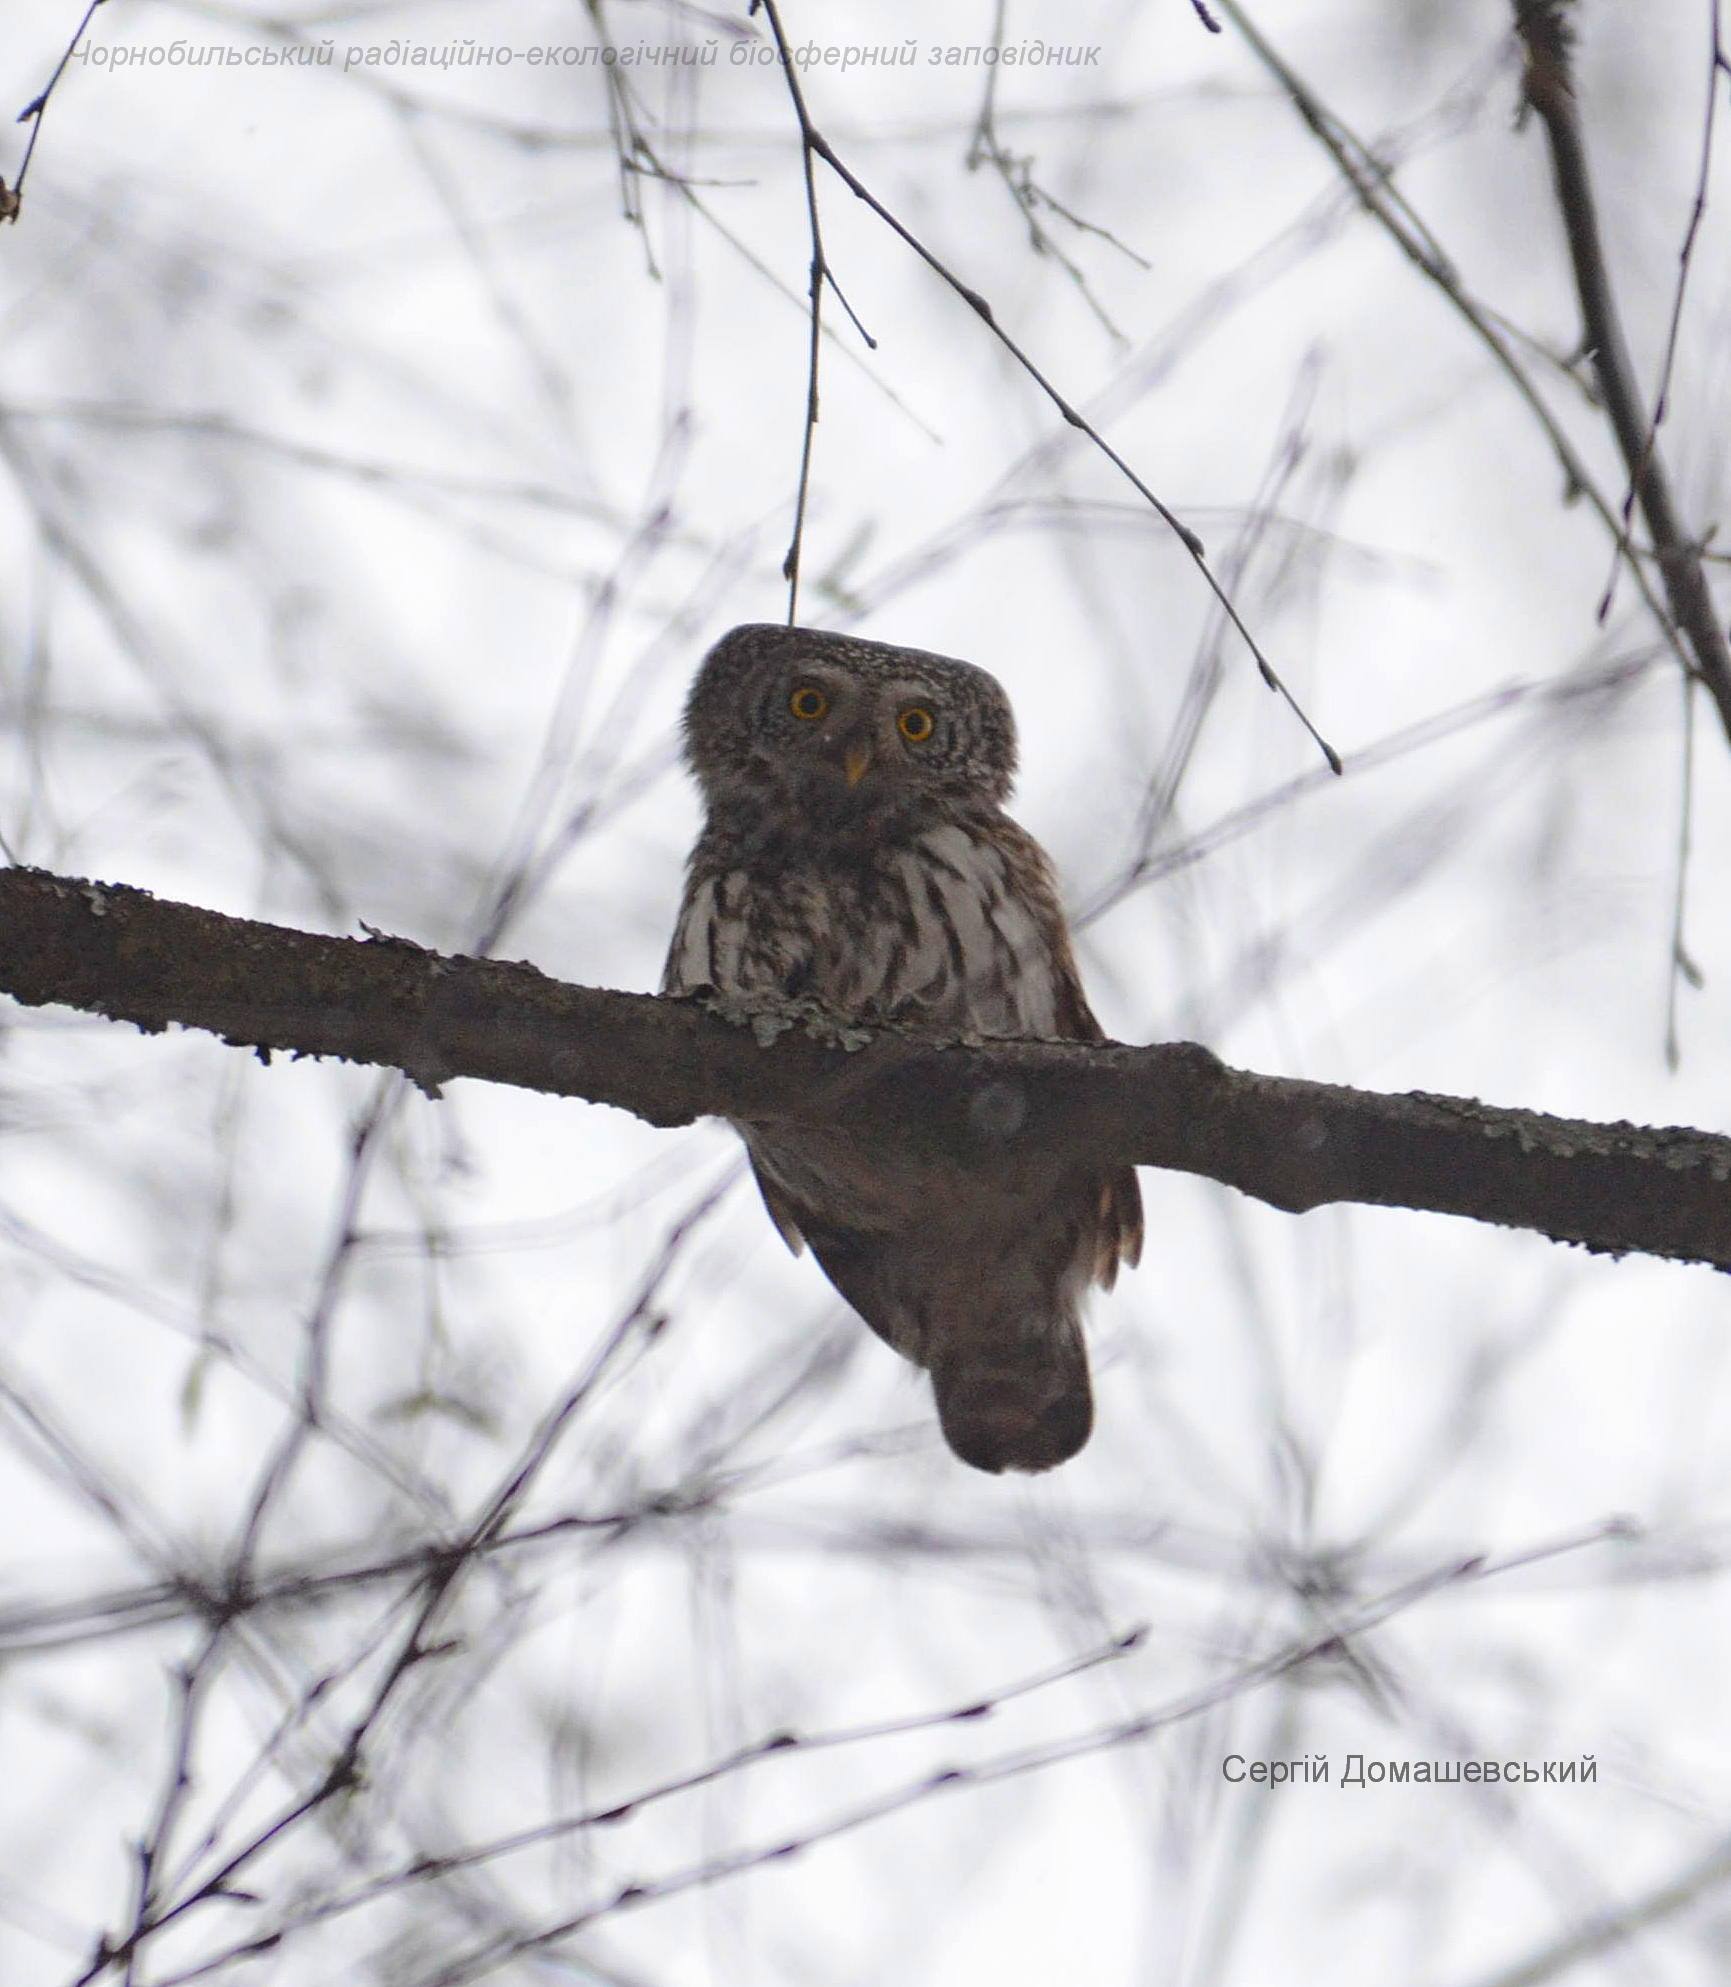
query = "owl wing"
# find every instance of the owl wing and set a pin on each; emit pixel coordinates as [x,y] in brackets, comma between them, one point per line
[692,962]
[707,951]
[782,1210]
[1114,1235]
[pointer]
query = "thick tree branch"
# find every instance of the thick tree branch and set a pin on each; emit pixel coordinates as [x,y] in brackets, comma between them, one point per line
[1545,32]
[121,952]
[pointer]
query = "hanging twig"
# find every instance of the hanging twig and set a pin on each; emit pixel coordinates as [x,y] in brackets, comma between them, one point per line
[12,197]
[1718,65]
[813,141]
[821,274]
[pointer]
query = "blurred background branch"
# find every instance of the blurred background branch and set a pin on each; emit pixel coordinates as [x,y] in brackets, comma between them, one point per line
[452,1532]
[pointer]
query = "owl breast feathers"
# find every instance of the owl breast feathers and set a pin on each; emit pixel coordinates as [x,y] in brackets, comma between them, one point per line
[856,854]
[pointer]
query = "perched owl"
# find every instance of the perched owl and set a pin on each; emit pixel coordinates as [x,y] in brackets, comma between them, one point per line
[856,854]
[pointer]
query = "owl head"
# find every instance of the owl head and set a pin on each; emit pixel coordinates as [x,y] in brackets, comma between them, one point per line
[845,727]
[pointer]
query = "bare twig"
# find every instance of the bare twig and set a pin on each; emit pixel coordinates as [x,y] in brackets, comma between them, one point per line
[190,1684]
[1607,681]
[1161,797]
[343,1772]
[1016,170]
[820,275]
[1718,64]
[1548,83]
[12,198]
[1294,1655]
[1605,1931]
[1296,1145]
[780,1745]
[1373,185]
[635,155]
[42,1626]
[1681,964]
[815,142]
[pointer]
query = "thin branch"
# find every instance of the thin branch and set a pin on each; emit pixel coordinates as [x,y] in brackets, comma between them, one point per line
[779,1745]
[1297,1145]
[1372,182]
[1606,1931]
[346,1770]
[1161,797]
[1548,84]
[635,156]
[12,198]
[191,1685]
[1598,687]
[44,1626]
[1135,1729]
[1680,965]
[1718,63]
[815,142]
[820,275]
[1016,170]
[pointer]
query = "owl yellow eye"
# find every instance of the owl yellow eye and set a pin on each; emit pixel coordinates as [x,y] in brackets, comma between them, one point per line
[808,703]
[916,724]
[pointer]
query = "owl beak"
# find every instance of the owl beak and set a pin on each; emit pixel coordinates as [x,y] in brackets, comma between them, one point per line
[856,762]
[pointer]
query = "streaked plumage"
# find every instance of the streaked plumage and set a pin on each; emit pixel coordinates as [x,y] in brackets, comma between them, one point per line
[857,855]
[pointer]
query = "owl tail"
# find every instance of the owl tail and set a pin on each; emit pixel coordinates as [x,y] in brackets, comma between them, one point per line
[1017,1400]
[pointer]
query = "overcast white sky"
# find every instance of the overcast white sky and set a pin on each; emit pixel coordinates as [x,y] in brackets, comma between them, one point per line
[370,484]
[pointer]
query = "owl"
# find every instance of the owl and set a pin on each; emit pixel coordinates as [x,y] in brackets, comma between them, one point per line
[856,854]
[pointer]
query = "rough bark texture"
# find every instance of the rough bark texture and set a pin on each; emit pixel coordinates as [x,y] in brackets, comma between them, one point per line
[120,952]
